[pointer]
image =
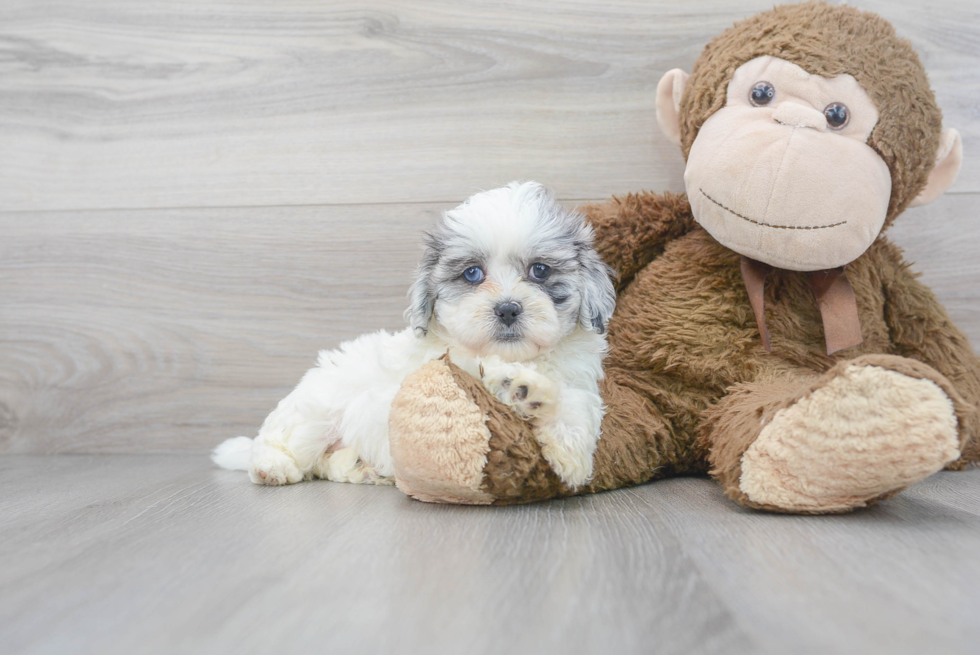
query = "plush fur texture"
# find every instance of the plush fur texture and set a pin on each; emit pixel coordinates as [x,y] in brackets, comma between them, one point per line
[831,40]
[689,387]
[866,424]
[776,183]
[447,462]
[511,288]
[687,381]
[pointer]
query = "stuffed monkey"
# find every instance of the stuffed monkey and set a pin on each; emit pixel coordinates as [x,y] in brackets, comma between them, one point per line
[766,332]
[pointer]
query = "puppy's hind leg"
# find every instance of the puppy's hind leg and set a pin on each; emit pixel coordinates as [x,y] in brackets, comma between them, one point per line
[345,465]
[294,436]
[273,466]
[342,402]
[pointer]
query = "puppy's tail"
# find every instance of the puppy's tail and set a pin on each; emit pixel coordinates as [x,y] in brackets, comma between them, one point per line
[233,454]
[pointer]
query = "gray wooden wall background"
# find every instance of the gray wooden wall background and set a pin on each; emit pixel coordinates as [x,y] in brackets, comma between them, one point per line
[196,196]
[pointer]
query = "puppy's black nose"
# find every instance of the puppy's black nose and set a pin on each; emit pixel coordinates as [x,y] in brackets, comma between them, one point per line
[508,312]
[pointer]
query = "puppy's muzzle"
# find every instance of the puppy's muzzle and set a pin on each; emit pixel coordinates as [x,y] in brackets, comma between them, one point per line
[507,312]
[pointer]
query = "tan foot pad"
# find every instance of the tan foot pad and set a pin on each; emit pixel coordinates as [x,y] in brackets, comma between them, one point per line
[865,433]
[439,439]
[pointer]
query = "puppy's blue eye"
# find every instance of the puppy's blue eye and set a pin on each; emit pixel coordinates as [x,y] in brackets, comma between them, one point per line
[473,274]
[540,272]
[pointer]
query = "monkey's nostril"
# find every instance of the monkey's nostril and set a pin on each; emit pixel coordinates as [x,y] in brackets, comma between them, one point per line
[508,312]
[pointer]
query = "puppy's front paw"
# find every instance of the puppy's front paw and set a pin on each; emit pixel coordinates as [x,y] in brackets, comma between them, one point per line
[572,462]
[532,395]
[529,393]
[273,467]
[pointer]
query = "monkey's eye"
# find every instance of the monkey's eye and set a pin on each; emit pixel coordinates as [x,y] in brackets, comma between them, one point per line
[762,94]
[539,272]
[837,115]
[473,275]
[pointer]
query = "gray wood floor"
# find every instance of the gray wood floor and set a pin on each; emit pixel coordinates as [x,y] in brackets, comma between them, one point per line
[164,554]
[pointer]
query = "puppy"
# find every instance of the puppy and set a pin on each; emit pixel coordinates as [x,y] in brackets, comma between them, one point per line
[511,288]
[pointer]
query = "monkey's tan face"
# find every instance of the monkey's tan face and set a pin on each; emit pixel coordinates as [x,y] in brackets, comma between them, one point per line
[783,172]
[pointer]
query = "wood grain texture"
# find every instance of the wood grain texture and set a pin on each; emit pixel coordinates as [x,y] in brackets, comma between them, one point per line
[173,329]
[169,330]
[163,554]
[898,577]
[158,554]
[175,103]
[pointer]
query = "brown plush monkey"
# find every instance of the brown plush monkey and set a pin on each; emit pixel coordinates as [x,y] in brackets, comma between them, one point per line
[765,331]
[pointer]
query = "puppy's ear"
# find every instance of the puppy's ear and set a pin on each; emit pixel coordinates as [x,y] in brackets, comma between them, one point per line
[421,295]
[598,293]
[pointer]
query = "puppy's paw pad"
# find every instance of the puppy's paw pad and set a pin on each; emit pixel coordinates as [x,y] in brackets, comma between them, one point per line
[498,377]
[274,468]
[532,394]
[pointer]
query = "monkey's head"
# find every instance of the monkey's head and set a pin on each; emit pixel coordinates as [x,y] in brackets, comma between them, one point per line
[807,129]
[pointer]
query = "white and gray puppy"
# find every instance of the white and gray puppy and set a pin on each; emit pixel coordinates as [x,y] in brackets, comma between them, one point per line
[510,286]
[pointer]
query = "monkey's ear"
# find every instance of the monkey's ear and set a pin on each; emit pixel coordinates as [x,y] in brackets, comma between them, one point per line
[948,161]
[669,92]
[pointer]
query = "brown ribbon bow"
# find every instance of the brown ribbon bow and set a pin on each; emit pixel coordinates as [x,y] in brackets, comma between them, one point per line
[835,297]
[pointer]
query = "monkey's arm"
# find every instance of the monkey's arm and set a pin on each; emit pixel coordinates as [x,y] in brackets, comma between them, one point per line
[633,230]
[921,329]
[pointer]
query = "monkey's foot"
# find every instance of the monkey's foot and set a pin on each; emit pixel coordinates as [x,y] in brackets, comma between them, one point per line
[864,434]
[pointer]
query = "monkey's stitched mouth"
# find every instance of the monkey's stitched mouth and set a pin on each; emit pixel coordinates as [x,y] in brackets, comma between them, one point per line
[778,227]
